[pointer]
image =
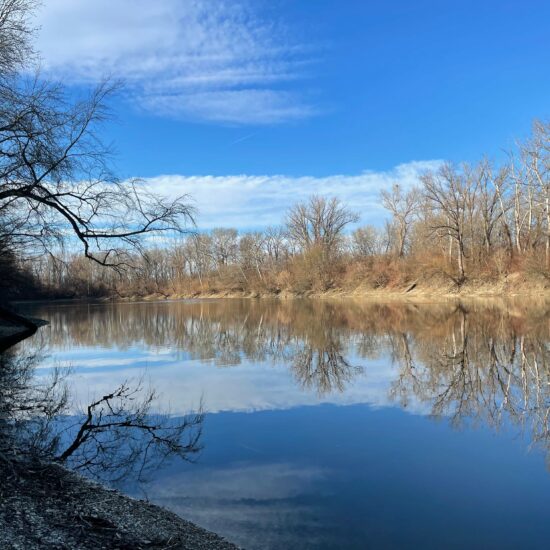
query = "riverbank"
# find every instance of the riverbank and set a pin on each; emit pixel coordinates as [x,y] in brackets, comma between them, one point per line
[425,288]
[43,505]
[513,286]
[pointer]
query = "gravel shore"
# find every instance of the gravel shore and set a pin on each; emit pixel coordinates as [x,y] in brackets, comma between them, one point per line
[43,505]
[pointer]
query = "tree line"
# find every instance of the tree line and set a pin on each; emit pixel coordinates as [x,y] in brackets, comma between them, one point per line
[462,224]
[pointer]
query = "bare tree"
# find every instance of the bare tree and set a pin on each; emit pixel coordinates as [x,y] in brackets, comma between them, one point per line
[502,183]
[403,207]
[54,170]
[15,35]
[319,222]
[275,244]
[54,177]
[535,156]
[251,252]
[452,193]
[224,245]
[488,203]
[199,256]
[366,241]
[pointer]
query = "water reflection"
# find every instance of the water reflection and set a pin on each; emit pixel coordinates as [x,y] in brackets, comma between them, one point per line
[339,473]
[468,362]
[481,368]
[27,406]
[116,437]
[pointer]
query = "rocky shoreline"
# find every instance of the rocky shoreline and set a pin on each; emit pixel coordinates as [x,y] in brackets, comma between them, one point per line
[43,505]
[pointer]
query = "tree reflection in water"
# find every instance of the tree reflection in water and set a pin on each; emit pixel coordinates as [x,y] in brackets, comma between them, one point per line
[116,436]
[28,406]
[470,362]
[480,368]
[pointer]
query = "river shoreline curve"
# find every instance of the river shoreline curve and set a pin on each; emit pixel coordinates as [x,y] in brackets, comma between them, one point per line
[44,505]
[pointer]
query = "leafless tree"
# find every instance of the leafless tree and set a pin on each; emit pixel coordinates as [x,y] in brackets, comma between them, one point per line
[452,195]
[55,178]
[366,241]
[251,252]
[224,245]
[535,157]
[15,35]
[402,205]
[319,222]
[275,244]
[490,210]
[502,183]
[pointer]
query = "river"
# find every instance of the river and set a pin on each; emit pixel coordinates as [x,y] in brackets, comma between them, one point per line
[334,424]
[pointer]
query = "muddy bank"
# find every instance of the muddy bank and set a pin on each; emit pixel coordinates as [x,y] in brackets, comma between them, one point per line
[42,505]
[422,289]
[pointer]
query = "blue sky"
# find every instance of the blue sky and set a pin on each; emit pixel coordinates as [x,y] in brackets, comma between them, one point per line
[302,95]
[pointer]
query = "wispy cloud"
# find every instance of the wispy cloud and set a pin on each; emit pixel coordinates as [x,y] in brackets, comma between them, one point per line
[216,60]
[249,202]
[258,106]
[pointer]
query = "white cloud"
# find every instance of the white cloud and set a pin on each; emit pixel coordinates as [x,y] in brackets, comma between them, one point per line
[249,202]
[235,106]
[209,59]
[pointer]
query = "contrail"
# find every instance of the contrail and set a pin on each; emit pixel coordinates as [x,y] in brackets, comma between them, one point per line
[243,138]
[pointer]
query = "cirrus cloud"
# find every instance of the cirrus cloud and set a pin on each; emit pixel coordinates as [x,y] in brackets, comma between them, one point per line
[211,60]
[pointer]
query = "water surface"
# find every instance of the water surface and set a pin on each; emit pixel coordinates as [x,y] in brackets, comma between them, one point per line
[336,424]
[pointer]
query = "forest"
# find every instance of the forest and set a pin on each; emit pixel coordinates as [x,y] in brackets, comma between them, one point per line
[462,227]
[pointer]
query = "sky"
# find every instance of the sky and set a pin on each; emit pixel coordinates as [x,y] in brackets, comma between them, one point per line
[252,105]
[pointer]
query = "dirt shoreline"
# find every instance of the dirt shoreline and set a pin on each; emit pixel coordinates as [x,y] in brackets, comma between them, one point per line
[409,294]
[511,286]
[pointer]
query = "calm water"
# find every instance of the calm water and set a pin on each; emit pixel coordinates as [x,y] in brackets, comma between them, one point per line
[336,425]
